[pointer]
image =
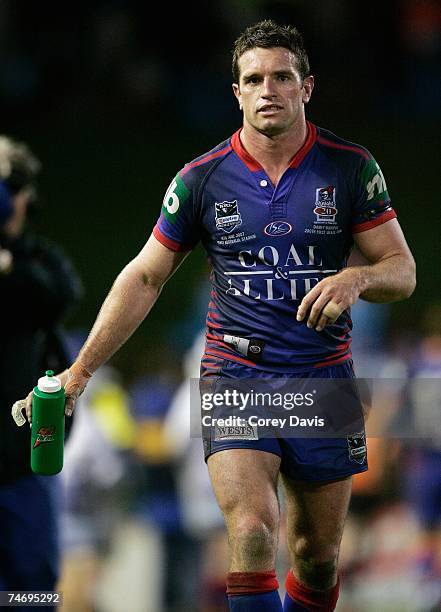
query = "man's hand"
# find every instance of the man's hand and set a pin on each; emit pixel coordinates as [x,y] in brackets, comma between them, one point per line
[77,378]
[390,276]
[74,381]
[330,297]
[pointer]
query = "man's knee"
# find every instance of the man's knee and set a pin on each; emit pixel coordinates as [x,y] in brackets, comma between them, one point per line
[316,563]
[258,534]
[253,542]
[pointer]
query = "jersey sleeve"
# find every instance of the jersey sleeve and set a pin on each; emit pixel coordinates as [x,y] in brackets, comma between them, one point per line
[177,227]
[372,204]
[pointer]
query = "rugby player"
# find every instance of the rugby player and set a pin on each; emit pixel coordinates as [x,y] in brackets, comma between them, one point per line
[278,208]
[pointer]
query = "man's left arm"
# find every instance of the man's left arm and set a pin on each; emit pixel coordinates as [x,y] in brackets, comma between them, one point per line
[389,277]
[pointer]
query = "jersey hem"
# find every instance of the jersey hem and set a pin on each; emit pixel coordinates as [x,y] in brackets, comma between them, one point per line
[229,357]
[298,370]
[333,361]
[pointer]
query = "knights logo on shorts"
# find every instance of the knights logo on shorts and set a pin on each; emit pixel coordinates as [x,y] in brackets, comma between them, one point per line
[357,447]
[227,216]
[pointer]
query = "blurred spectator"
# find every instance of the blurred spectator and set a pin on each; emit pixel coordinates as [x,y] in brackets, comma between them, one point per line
[391,547]
[421,454]
[201,517]
[97,488]
[157,503]
[38,287]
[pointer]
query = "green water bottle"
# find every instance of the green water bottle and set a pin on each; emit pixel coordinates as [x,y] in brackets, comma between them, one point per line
[47,434]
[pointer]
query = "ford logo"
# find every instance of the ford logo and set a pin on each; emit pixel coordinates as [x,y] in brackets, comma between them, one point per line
[278,228]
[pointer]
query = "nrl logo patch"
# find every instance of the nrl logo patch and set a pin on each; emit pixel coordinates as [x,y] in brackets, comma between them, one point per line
[325,208]
[357,447]
[235,432]
[227,216]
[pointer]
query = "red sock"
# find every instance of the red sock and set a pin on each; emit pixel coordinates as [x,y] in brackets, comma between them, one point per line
[311,599]
[242,583]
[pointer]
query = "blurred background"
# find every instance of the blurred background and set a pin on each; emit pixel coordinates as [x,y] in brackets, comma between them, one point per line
[115,100]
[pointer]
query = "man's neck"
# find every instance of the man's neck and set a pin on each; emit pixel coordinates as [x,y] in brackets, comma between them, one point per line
[274,152]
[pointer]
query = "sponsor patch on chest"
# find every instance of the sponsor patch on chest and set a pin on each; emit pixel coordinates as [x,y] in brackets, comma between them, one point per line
[325,209]
[325,212]
[278,228]
[227,216]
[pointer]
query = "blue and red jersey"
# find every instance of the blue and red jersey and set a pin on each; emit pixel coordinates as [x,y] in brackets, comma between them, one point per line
[268,246]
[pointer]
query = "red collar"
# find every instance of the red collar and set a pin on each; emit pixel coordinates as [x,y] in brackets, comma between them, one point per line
[295,162]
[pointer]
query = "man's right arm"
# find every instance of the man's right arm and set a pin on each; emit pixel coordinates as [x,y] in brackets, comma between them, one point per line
[131,298]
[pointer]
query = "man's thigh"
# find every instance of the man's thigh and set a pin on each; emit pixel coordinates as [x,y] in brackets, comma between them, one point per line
[245,484]
[244,480]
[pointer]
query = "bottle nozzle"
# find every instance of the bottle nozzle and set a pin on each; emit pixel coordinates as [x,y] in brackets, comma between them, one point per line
[49,383]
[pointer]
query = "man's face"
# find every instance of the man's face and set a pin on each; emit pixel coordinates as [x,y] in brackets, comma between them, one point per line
[270,91]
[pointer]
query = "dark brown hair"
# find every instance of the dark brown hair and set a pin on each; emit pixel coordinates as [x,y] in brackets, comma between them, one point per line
[269,34]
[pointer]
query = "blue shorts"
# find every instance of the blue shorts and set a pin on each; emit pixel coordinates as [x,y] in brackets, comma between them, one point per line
[302,458]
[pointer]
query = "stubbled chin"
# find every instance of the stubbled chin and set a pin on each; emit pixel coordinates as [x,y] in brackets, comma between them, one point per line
[271,128]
